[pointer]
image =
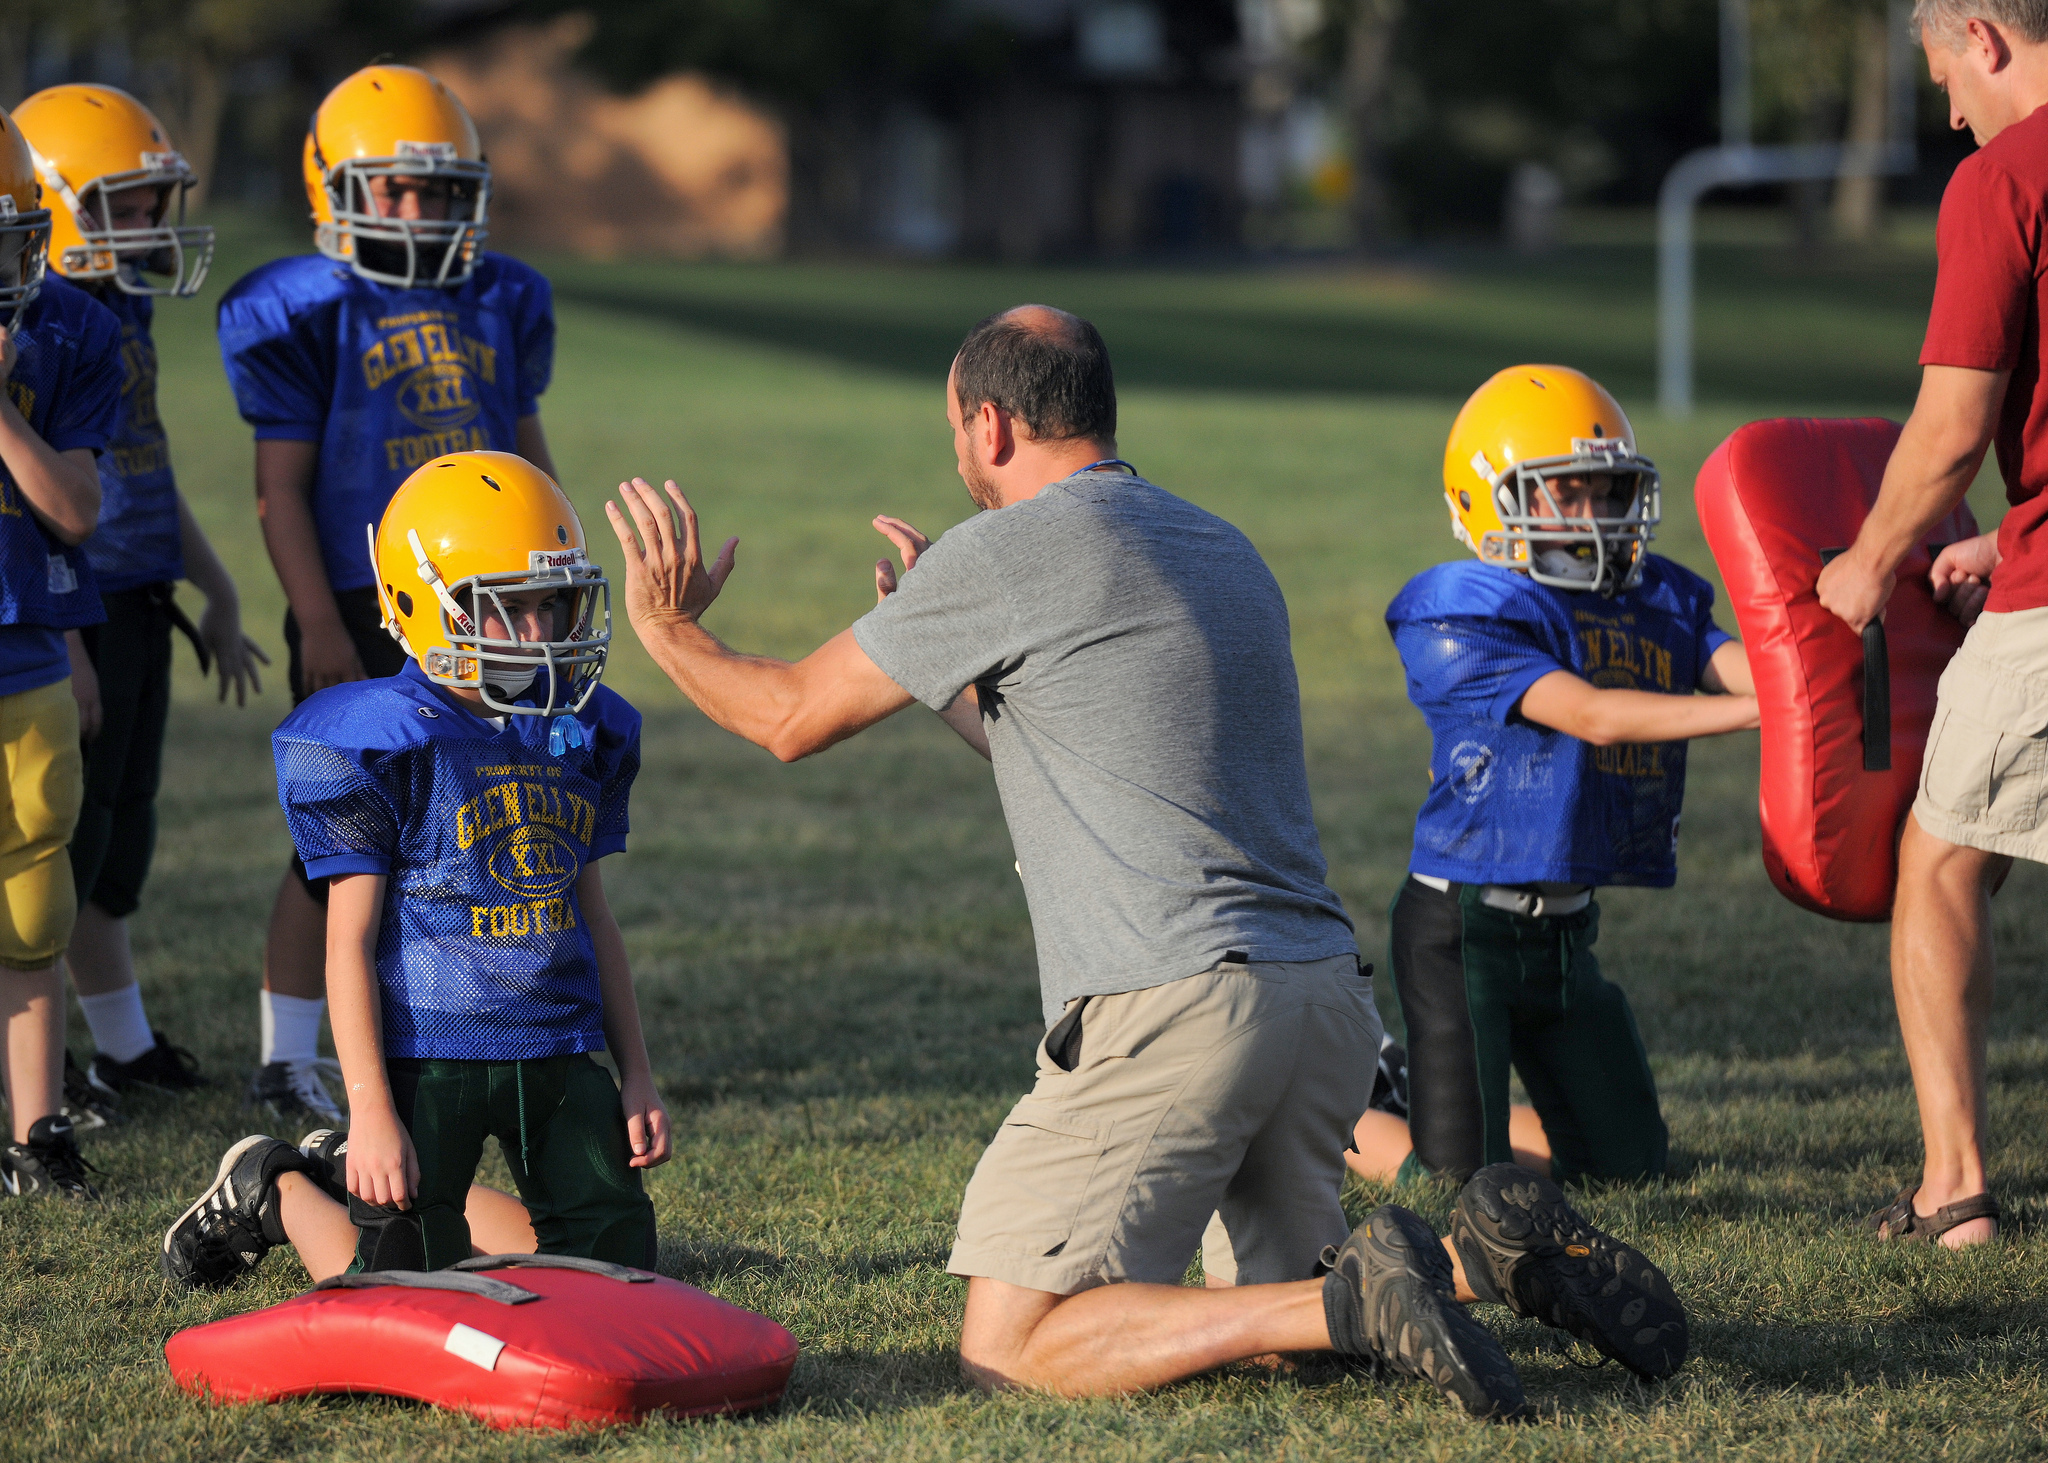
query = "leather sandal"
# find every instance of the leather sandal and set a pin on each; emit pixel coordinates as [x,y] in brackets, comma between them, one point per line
[1898,1220]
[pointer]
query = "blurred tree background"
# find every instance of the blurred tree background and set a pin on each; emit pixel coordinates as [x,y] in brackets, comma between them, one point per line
[1298,124]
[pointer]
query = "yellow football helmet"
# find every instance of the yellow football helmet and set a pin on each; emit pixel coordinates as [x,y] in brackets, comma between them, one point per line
[1518,432]
[396,122]
[24,224]
[93,141]
[463,531]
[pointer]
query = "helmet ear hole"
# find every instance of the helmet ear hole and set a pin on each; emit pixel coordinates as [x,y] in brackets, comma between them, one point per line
[404,603]
[1464,500]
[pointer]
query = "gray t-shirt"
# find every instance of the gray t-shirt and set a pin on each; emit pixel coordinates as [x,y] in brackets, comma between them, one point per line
[1136,681]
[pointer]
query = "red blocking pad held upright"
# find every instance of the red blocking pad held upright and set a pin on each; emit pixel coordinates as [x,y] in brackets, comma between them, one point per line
[1845,719]
[556,1342]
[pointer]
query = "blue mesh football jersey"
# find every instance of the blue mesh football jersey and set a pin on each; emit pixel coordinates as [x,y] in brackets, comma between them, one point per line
[483,954]
[383,379]
[67,383]
[1511,802]
[137,541]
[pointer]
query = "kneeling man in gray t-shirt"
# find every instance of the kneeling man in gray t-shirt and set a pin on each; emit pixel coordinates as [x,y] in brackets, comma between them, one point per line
[1122,658]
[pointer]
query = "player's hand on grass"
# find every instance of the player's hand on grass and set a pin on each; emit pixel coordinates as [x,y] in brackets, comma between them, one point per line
[1961,576]
[85,687]
[909,543]
[382,1167]
[665,571]
[235,655]
[328,656]
[646,1121]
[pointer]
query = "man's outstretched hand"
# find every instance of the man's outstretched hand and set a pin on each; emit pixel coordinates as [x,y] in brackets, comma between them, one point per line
[665,575]
[909,543]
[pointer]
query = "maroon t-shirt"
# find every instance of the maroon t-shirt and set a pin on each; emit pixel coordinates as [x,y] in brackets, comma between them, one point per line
[1988,296]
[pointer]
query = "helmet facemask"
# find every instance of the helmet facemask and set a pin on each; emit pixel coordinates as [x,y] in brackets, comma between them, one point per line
[24,251]
[409,253]
[180,252]
[560,673]
[1603,551]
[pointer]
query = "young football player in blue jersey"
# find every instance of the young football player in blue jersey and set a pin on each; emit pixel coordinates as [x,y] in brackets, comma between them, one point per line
[1557,673]
[400,341]
[458,810]
[60,386]
[110,176]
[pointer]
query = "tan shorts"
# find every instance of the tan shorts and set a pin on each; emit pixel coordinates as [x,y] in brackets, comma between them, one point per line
[38,810]
[1983,780]
[1230,1093]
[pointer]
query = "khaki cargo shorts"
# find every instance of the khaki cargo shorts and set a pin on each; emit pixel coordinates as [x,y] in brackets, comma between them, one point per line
[1983,779]
[1232,1093]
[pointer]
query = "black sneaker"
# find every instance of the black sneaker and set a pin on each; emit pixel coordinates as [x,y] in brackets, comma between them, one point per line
[164,1067]
[48,1165]
[328,1148]
[235,1223]
[1390,1298]
[293,1092]
[86,1106]
[1525,1247]
[1390,1080]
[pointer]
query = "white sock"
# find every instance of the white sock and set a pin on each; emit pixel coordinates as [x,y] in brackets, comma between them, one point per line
[119,1026]
[291,1027]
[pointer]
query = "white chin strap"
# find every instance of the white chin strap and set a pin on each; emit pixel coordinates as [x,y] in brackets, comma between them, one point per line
[431,577]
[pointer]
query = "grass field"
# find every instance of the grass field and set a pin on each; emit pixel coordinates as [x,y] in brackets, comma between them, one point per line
[835,961]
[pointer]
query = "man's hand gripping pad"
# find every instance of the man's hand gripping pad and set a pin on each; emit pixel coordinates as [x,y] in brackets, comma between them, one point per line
[556,1342]
[1773,498]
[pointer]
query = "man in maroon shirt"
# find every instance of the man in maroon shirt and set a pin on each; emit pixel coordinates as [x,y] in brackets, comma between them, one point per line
[1981,801]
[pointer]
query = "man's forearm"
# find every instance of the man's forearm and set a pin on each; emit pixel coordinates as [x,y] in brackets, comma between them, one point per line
[775,704]
[1929,474]
[62,489]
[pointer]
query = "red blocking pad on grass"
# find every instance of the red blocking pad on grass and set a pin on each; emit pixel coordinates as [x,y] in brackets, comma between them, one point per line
[556,1342]
[1845,720]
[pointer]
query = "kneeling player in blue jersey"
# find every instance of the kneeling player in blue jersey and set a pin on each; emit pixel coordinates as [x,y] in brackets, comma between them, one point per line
[1557,674]
[457,811]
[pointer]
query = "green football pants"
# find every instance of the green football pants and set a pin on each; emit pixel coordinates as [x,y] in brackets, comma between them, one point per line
[1483,990]
[564,1137]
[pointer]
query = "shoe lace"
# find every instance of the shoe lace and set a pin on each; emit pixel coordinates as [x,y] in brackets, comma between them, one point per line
[66,1165]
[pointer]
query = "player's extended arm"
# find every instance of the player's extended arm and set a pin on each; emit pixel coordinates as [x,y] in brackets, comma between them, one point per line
[382,1167]
[1936,460]
[1727,672]
[791,708]
[62,489]
[284,504]
[220,626]
[532,444]
[1606,715]
[646,1117]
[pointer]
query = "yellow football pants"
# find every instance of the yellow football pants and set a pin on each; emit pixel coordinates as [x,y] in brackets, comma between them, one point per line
[38,809]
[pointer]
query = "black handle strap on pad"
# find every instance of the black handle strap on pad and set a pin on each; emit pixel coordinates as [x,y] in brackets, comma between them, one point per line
[605,1268]
[481,1286]
[1877,690]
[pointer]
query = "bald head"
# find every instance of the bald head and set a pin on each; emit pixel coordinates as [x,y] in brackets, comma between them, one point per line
[1046,368]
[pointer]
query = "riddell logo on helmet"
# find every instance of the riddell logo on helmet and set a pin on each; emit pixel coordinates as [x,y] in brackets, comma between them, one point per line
[438,152]
[163,162]
[556,559]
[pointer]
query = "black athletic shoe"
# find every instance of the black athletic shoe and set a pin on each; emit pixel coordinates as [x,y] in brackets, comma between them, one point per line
[1390,1298]
[164,1067]
[328,1148]
[48,1165]
[86,1106]
[1525,1247]
[235,1223]
[293,1093]
[1390,1080]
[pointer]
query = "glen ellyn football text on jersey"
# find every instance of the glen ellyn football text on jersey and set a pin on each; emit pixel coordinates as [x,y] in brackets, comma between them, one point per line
[483,954]
[1511,802]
